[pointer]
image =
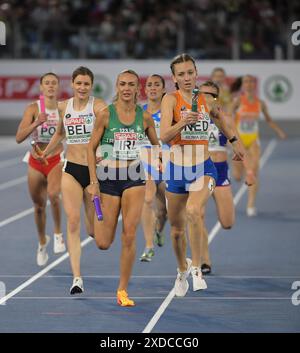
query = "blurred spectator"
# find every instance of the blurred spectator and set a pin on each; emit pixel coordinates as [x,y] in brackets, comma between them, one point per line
[207,29]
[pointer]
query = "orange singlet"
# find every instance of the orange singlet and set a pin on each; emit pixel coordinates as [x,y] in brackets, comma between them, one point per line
[247,117]
[194,134]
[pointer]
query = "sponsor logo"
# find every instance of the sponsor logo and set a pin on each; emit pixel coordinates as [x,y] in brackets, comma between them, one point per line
[102,87]
[278,88]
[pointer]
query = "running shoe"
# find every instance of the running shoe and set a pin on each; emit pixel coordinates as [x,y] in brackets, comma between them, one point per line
[123,300]
[181,284]
[251,212]
[59,244]
[147,255]
[159,238]
[77,286]
[42,256]
[205,269]
[198,281]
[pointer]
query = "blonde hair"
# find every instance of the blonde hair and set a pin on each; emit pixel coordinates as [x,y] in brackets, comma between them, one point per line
[132,72]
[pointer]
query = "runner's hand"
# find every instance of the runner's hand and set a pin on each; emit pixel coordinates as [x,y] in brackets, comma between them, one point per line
[93,190]
[189,117]
[42,118]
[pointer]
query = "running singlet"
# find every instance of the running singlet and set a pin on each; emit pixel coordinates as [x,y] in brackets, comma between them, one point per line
[156,117]
[216,140]
[79,124]
[125,140]
[194,134]
[225,98]
[45,131]
[247,119]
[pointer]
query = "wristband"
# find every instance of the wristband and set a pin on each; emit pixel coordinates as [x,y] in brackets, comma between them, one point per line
[233,139]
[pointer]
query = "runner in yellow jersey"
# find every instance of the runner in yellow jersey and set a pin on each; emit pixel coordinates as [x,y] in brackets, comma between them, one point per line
[247,109]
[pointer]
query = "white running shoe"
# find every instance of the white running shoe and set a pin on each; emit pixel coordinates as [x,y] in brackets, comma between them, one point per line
[251,212]
[77,286]
[181,284]
[42,256]
[198,282]
[59,244]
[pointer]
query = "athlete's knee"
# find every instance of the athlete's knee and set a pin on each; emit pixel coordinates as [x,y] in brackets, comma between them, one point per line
[193,213]
[161,214]
[39,208]
[177,233]
[102,244]
[227,222]
[237,176]
[202,213]
[148,202]
[53,197]
[226,226]
[73,223]
[128,237]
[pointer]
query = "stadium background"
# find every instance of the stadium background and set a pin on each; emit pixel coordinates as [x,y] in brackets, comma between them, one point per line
[255,265]
[108,36]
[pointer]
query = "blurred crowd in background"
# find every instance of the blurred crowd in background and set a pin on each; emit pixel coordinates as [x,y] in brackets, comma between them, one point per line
[145,29]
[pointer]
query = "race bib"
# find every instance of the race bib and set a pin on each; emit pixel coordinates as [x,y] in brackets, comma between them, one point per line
[213,138]
[157,128]
[197,131]
[248,126]
[126,145]
[44,132]
[79,129]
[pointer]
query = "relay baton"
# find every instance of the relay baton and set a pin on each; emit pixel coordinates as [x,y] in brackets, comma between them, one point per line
[38,151]
[195,95]
[97,206]
[42,104]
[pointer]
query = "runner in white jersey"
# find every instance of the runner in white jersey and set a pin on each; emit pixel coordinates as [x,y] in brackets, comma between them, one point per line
[218,153]
[154,216]
[77,117]
[44,177]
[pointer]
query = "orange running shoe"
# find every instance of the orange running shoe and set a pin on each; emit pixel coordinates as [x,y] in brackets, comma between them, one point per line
[123,300]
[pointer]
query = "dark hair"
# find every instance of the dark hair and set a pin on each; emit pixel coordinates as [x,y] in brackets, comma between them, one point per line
[82,70]
[218,69]
[48,74]
[162,81]
[248,75]
[160,77]
[182,58]
[210,83]
[236,85]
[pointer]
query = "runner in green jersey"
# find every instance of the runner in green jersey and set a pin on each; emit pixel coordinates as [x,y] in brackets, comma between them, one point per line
[119,130]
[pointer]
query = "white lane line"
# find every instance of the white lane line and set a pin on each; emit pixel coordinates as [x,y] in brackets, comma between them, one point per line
[4,299]
[38,275]
[13,182]
[267,153]
[9,144]
[18,216]
[211,277]
[150,298]
[10,162]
